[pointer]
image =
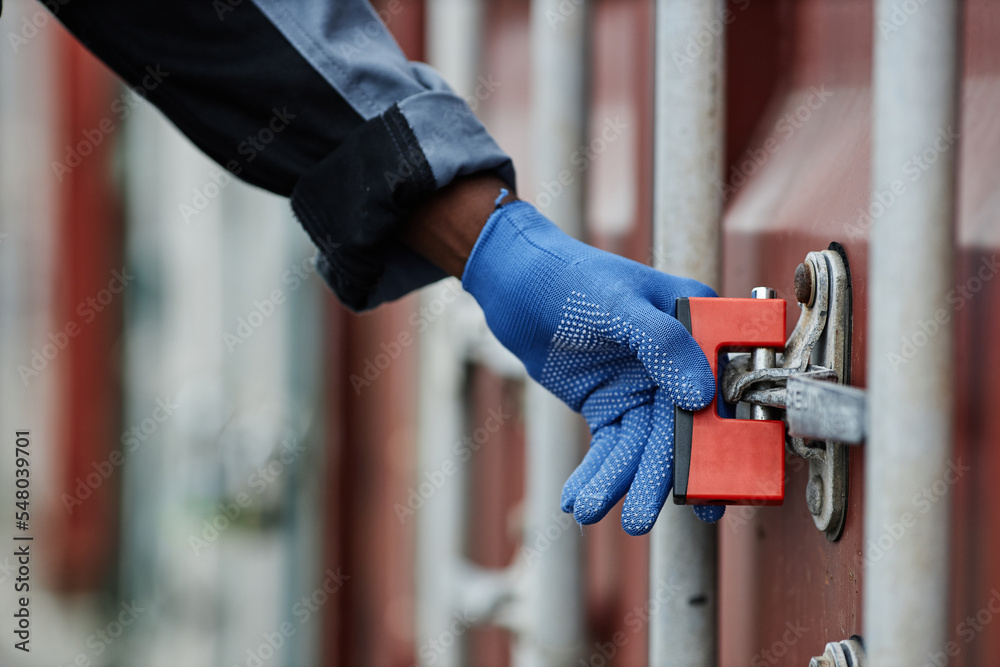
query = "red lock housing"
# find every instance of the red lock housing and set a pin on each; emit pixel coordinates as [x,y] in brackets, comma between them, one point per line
[720,461]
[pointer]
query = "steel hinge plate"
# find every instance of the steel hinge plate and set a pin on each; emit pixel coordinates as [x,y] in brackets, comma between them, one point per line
[823,413]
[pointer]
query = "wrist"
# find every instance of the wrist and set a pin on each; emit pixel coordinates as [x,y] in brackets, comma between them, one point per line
[519,274]
[445,228]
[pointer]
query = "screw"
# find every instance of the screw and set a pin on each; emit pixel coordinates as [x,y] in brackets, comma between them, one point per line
[814,495]
[821,661]
[804,284]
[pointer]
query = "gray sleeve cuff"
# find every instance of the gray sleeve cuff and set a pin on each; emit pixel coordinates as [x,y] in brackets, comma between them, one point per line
[453,140]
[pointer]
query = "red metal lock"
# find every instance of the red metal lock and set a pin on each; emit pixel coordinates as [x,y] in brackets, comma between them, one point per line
[720,461]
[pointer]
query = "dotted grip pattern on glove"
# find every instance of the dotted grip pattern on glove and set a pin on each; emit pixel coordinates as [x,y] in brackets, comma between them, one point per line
[597,330]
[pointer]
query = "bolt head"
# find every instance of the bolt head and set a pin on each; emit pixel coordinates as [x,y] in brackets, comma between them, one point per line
[814,495]
[804,284]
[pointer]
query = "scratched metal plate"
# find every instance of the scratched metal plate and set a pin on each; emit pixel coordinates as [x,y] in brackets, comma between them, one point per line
[825,411]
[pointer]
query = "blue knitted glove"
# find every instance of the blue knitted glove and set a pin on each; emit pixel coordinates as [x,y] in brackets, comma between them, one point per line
[597,330]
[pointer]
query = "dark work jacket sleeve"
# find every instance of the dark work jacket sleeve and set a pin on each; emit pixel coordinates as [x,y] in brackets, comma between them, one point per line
[311,99]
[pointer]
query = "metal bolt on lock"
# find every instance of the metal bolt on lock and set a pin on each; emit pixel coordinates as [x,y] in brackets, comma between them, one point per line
[762,357]
[814,495]
[805,284]
[845,653]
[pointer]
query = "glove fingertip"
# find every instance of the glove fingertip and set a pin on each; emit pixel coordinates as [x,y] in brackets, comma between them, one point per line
[691,389]
[590,509]
[566,502]
[709,513]
[638,521]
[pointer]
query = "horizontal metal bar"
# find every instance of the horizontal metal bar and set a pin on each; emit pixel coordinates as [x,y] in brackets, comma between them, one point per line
[825,411]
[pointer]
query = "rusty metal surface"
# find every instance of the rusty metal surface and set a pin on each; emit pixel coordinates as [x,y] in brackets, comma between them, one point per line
[786,591]
[370,458]
[781,580]
[976,523]
[498,478]
[812,190]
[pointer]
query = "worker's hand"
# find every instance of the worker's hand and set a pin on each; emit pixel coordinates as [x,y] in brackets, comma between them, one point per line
[598,331]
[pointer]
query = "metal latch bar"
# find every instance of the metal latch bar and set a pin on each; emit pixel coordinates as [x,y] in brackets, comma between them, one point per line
[825,411]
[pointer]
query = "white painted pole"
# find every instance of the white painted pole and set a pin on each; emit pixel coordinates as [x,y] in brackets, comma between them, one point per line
[550,620]
[910,271]
[687,212]
[453,37]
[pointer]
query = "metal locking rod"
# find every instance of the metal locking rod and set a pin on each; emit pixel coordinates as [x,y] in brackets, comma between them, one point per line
[762,357]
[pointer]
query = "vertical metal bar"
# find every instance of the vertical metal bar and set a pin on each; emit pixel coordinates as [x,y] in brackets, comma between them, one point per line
[547,609]
[687,209]
[916,78]
[550,619]
[453,34]
[550,627]
[441,521]
[559,101]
